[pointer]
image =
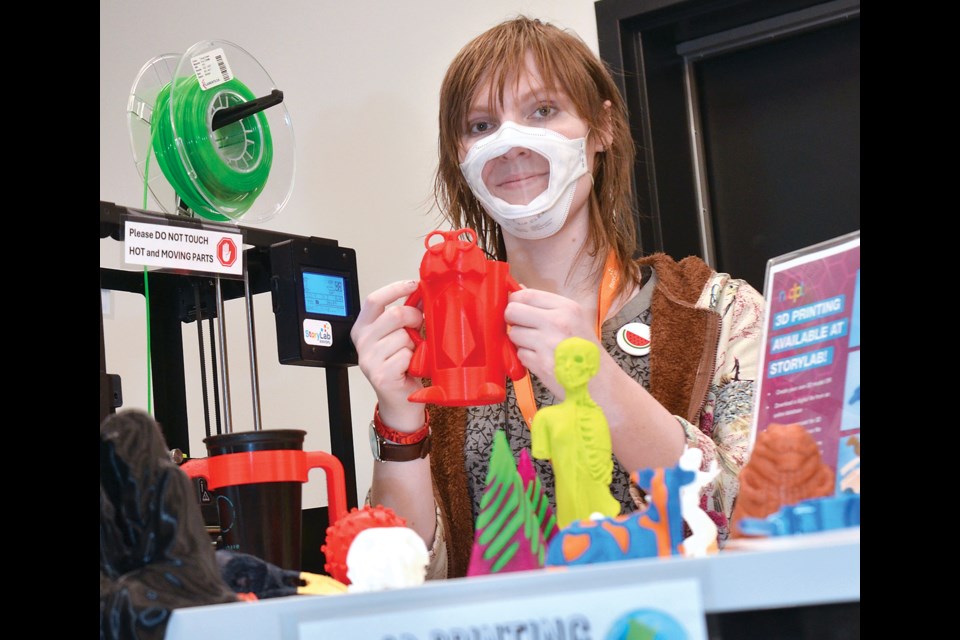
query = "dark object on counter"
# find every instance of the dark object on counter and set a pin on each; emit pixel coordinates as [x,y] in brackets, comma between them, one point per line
[248,574]
[155,553]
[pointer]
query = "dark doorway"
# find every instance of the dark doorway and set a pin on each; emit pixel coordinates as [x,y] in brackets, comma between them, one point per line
[747,119]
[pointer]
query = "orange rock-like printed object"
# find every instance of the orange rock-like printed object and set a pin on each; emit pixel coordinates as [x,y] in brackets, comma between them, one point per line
[785,467]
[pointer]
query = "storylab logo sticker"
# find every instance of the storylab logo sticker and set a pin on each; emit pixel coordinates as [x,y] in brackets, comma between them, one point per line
[646,624]
[318,333]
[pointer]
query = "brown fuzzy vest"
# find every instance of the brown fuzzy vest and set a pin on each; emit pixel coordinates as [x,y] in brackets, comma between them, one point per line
[681,365]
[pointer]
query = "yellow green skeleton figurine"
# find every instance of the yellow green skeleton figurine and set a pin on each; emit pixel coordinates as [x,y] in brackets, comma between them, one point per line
[575,437]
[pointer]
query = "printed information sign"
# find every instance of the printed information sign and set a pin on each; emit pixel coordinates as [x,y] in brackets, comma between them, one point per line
[810,363]
[183,248]
[667,610]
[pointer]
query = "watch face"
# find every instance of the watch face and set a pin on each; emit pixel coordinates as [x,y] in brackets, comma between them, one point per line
[374,443]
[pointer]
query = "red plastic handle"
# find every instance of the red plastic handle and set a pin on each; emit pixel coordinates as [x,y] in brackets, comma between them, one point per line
[281,465]
[412,301]
[336,482]
[414,335]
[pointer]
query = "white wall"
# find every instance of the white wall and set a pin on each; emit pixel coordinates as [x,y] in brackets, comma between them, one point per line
[360,80]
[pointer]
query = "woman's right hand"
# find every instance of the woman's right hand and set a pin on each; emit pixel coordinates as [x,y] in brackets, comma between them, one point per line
[384,349]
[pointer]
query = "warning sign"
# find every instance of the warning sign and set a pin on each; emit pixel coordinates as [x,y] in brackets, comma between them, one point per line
[183,248]
[226,252]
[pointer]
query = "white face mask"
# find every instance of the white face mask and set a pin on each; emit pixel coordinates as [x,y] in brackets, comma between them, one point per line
[545,214]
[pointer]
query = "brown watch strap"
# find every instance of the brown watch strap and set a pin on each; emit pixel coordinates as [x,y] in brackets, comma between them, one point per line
[385,451]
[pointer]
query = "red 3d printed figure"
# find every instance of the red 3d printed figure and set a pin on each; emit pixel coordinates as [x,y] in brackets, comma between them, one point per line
[465,351]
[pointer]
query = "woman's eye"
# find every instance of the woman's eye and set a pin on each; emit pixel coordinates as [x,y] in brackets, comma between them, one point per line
[479,128]
[544,111]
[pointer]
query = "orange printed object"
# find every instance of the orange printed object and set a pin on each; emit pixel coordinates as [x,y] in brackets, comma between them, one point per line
[785,467]
[464,349]
[340,535]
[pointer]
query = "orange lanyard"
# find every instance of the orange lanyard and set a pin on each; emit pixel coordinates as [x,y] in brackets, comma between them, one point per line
[608,285]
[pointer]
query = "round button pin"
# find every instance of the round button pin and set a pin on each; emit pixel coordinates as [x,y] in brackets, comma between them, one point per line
[634,338]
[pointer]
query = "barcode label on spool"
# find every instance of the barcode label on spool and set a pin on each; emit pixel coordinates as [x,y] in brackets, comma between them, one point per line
[211,68]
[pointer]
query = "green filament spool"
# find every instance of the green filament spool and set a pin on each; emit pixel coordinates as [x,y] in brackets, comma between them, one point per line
[211,171]
[224,147]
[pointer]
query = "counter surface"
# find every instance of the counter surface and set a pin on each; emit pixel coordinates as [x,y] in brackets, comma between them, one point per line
[749,575]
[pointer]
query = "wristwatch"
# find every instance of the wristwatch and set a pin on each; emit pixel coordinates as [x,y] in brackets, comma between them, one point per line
[385,451]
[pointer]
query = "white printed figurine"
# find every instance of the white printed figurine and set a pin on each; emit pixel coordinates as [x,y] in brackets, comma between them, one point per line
[382,558]
[703,538]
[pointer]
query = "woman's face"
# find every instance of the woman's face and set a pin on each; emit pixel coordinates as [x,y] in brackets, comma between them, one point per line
[520,175]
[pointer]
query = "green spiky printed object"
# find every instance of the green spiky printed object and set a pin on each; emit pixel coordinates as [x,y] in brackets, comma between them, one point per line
[508,535]
[536,496]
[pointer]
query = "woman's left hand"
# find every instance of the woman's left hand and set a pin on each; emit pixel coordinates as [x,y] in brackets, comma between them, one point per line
[538,321]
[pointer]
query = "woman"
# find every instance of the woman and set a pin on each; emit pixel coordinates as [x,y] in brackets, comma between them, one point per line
[536,157]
